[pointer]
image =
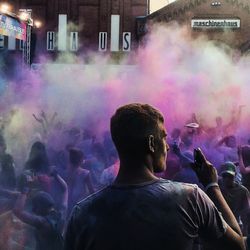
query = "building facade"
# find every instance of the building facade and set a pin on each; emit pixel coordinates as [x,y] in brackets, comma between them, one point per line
[226,21]
[88,23]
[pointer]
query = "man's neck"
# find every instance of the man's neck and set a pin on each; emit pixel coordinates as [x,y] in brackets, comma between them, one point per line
[134,174]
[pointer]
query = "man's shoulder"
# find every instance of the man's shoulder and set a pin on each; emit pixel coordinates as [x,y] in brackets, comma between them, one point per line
[175,190]
[83,206]
[91,198]
[168,187]
[156,196]
[164,185]
[241,188]
[178,185]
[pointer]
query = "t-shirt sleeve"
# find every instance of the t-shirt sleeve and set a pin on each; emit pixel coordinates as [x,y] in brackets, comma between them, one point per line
[210,221]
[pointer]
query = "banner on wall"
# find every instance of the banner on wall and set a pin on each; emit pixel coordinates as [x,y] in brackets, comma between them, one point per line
[12,27]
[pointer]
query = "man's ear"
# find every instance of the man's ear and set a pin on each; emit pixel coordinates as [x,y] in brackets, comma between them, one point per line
[151,143]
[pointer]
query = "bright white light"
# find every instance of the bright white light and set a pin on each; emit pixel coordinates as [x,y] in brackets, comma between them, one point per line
[4,8]
[24,16]
[38,24]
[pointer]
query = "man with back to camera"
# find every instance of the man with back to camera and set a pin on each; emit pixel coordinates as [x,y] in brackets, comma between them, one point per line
[140,211]
[236,195]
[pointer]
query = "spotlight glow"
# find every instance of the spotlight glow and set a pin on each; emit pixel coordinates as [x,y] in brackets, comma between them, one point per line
[5,8]
[38,24]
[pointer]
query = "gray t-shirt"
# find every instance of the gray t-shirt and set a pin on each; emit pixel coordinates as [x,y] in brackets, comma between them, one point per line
[156,215]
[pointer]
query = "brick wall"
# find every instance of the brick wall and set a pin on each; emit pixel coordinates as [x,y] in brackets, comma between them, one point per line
[92,16]
[183,11]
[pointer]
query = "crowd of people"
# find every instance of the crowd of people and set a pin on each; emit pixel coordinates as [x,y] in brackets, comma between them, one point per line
[37,201]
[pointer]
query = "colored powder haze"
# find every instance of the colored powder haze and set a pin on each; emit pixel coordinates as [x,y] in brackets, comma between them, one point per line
[173,72]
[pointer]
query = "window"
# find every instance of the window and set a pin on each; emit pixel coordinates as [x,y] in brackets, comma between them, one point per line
[216,4]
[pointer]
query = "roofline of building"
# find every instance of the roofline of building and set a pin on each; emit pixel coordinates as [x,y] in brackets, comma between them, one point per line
[194,3]
[14,16]
[161,9]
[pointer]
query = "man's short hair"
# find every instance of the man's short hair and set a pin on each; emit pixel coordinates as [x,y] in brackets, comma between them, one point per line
[131,124]
[76,156]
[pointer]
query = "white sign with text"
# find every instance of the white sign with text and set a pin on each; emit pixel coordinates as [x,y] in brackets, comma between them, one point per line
[210,23]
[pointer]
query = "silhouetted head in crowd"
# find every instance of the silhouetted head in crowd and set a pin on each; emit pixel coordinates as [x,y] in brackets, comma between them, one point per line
[2,146]
[230,141]
[38,159]
[42,203]
[228,172]
[7,174]
[139,135]
[76,157]
[246,155]
[248,141]
[218,121]
[7,163]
